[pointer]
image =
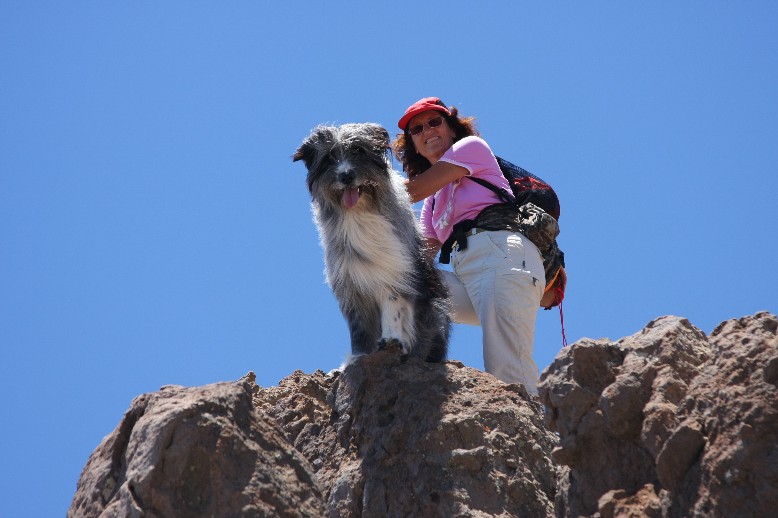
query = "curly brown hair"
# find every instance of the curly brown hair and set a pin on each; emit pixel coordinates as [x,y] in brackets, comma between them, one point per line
[413,163]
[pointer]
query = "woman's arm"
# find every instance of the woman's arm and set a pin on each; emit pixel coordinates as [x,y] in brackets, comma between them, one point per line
[433,179]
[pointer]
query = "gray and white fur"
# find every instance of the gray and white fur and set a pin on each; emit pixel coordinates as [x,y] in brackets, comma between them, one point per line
[389,293]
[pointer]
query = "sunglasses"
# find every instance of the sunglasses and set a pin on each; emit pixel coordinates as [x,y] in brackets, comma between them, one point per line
[432,123]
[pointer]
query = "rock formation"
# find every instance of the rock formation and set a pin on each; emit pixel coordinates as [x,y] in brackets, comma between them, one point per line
[393,438]
[666,423]
[195,452]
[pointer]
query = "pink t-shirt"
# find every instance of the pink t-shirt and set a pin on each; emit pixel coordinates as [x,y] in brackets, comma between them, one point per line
[462,199]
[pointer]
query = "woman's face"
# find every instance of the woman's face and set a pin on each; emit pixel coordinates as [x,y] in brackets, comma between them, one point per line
[432,142]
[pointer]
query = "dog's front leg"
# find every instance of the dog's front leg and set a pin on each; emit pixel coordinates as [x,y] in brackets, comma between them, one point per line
[397,324]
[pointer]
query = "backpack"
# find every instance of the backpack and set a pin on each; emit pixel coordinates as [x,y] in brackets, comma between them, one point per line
[527,188]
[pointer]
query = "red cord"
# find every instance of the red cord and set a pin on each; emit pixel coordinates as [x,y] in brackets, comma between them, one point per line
[562,322]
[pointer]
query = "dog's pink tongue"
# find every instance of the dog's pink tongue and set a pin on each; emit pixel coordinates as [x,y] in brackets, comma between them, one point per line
[350,197]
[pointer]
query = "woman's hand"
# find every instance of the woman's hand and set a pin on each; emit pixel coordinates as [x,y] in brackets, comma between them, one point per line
[433,179]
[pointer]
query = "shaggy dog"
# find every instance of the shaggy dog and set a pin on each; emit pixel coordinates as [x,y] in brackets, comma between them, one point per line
[389,293]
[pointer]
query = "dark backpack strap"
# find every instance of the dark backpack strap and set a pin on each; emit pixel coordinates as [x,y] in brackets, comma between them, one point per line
[501,193]
[457,236]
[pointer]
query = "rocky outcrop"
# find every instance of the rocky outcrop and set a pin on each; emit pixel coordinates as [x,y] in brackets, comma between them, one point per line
[668,422]
[194,452]
[394,438]
[388,436]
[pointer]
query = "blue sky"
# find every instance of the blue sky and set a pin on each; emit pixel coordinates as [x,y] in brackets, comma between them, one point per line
[155,231]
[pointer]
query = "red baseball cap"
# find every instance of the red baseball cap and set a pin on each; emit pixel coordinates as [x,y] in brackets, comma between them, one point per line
[422,105]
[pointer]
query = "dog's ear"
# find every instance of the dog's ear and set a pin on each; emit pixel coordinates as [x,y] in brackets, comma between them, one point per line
[307,150]
[320,138]
[304,152]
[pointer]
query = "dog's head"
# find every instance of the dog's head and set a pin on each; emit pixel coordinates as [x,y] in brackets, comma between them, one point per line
[346,163]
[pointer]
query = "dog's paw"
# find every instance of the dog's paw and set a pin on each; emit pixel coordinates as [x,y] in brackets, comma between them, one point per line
[391,345]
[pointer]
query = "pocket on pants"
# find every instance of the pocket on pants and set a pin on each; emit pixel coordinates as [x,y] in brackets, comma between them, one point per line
[516,294]
[498,244]
[508,247]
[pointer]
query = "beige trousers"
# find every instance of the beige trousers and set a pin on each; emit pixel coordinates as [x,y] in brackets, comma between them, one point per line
[497,283]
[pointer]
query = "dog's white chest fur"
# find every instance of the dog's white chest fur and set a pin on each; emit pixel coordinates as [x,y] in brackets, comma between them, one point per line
[364,250]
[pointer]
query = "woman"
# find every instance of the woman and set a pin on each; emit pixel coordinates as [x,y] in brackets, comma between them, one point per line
[498,277]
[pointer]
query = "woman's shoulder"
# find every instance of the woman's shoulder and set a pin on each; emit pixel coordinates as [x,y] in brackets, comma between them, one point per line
[471,146]
[472,141]
[480,155]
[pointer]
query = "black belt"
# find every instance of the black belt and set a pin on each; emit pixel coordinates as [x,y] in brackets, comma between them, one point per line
[459,235]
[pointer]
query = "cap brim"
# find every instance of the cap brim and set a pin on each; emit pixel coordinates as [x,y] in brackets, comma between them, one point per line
[403,122]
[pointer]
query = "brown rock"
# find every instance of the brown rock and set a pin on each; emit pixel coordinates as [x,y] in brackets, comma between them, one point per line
[664,423]
[193,452]
[679,454]
[668,422]
[393,438]
[608,442]
[734,404]
[643,504]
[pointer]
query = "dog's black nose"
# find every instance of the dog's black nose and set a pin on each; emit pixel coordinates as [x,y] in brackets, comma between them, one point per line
[346,177]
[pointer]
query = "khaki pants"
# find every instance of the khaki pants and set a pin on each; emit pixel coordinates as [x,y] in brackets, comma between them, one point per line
[497,283]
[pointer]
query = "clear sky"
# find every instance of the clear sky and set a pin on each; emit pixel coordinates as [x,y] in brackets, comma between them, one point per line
[155,231]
